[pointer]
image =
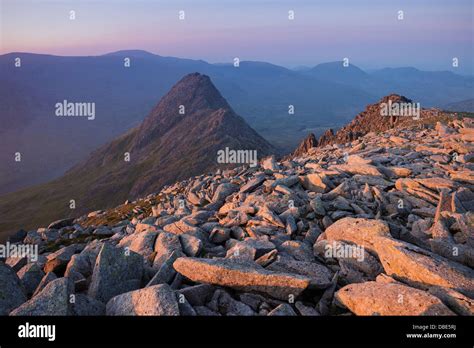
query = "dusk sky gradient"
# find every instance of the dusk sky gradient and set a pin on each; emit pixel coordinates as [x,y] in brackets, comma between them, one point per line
[366,31]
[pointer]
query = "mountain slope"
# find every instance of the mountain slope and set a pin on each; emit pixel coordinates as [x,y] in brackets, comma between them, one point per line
[461,106]
[166,147]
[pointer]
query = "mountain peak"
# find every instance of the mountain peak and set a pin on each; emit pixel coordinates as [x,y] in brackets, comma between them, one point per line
[336,71]
[338,65]
[132,53]
[372,120]
[195,91]
[308,142]
[191,99]
[394,98]
[179,138]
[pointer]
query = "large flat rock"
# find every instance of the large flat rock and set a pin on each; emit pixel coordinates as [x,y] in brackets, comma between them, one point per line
[404,261]
[363,232]
[420,267]
[358,168]
[373,298]
[245,276]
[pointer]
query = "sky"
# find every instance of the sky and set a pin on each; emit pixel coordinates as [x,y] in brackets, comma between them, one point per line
[368,32]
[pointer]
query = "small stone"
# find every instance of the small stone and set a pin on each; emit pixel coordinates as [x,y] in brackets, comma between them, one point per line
[31,275]
[227,305]
[57,262]
[166,272]
[306,311]
[250,249]
[157,300]
[223,191]
[252,184]
[219,235]
[48,278]
[318,206]
[270,163]
[314,183]
[270,216]
[198,295]
[283,310]
[298,250]
[16,263]
[87,306]
[60,223]
[191,245]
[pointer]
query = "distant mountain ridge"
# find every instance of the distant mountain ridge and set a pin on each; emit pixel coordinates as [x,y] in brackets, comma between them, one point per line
[260,92]
[369,120]
[325,96]
[460,106]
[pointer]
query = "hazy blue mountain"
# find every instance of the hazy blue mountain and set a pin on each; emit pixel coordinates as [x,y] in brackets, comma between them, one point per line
[460,106]
[430,88]
[337,72]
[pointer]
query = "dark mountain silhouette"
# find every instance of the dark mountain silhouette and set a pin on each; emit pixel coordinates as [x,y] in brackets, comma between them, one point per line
[167,146]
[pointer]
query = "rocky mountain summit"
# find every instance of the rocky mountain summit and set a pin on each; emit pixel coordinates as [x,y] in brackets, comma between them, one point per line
[373,120]
[309,142]
[380,225]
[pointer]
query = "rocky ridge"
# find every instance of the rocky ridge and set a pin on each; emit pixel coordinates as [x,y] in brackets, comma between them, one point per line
[369,120]
[380,225]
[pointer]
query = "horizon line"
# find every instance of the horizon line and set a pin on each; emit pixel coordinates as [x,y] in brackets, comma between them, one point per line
[288,67]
